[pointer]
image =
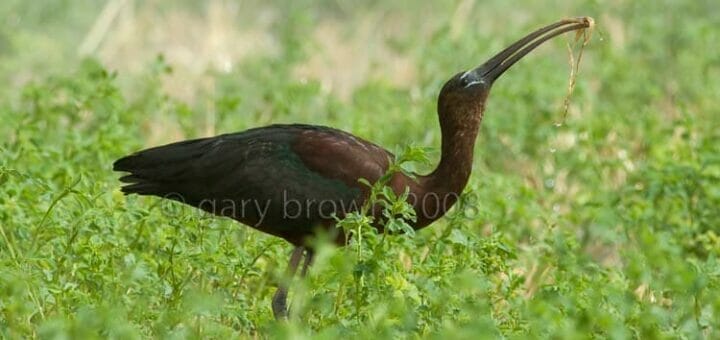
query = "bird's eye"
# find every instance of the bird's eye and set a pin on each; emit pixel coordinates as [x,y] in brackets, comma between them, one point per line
[468,81]
[464,81]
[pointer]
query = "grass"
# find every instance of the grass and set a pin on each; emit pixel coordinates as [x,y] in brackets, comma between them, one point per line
[603,226]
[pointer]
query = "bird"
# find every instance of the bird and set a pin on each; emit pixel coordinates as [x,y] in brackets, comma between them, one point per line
[291,180]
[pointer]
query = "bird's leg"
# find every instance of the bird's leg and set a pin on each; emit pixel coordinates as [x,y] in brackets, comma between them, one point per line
[279,301]
[309,256]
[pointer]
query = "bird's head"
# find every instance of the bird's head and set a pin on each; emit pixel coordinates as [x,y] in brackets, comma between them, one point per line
[462,98]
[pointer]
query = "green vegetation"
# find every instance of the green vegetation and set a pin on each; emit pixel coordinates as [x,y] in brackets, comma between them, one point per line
[604,225]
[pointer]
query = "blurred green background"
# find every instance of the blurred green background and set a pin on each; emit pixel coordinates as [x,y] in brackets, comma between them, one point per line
[603,223]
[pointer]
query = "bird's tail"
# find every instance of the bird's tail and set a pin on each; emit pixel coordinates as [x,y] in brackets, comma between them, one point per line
[157,170]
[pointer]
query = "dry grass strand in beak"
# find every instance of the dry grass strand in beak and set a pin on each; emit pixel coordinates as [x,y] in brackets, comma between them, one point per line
[585,34]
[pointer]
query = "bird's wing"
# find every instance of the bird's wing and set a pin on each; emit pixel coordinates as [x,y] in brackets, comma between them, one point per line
[341,156]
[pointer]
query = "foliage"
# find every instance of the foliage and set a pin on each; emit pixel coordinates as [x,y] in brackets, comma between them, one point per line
[604,226]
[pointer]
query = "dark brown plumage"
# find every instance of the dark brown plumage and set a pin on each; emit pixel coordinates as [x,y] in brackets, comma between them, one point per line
[288,180]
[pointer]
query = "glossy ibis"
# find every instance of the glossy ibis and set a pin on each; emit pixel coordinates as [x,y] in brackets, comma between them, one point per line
[289,180]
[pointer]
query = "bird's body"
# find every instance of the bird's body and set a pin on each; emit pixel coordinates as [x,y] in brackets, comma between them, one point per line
[289,180]
[276,179]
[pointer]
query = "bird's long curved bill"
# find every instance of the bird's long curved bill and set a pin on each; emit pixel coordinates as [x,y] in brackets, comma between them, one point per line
[502,61]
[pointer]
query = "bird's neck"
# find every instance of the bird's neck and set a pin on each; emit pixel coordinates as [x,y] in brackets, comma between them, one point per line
[440,190]
[453,171]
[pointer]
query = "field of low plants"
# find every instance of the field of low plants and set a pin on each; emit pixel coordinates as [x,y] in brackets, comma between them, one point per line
[602,222]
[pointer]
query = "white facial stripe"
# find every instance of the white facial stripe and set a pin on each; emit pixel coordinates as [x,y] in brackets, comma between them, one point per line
[475,82]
